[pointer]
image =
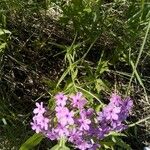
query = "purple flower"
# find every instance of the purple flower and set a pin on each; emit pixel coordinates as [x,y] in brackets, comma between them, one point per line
[84,122]
[95,146]
[78,100]
[41,121]
[44,123]
[64,116]
[61,131]
[61,99]
[112,116]
[83,145]
[40,109]
[78,124]
[126,107]
[111,112]
[103,130]
[67,119]
[127,104]
[118,126]
[61,111]
[51,134]
[75,135]
[90,112]
[115,100]
[35,127]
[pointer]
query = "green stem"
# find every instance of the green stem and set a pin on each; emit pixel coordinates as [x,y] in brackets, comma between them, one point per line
[138,58]
[62,142]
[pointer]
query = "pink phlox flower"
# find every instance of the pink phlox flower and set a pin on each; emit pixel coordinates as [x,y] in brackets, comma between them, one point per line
[80,124]
[45,123]
[41,121]
[61,111]
[67,119]
[78,100]
[40,109]
[75,135]
[127,104]
[90,112]
[35,127]
[84,122]
[65,116]
[84,145]
[61,99]
[61,131]
[115,100]
[111,112]
[51,134]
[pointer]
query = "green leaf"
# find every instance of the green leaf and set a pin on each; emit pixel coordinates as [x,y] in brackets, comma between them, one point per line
[107,144]
[121,143]
[2,46]
[3,31]
[63,76]
[112,133]
[100,85]
[102,67]
[32,142]
[88,10]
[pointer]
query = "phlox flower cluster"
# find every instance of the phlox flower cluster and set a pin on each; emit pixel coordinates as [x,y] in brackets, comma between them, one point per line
[72,120]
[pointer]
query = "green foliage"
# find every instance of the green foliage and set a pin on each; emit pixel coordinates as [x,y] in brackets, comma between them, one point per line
[3,39]
[32,142]
[85,16]
[113,141]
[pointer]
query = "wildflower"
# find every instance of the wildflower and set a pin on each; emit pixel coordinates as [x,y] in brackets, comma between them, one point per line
[75,135]
[68,118]
[83,145]
[61,111]
[40,109]
[90,112]
[115,99]
[41,122]
[35,127]
[127,104]
[84,122]
[61,99]
[51,134]
[78,100]
[64,116]
[78,124]
[111,112]
[44,123]
[61,131]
